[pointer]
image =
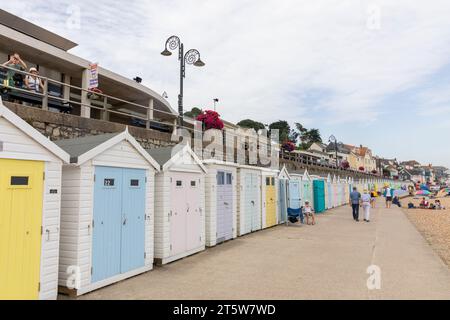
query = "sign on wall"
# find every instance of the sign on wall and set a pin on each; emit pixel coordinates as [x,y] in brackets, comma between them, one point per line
[93,75]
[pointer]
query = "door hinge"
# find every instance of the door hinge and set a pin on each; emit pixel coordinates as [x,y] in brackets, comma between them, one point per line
[39,287]
[200,238]
[93,224]
[145,255]
[43,175]
[170,247]
[42,230]
[92,270]
[95,177]
[145,179]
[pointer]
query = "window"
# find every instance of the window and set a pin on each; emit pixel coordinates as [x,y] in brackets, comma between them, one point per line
[268,181]
[229,178]
[179,183]
[109,182]
[19,181]
[220,178]
[193,183]
[134,183]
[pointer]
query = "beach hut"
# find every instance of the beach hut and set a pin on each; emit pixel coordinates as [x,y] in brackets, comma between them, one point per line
[319,195]
[107,212]
[329,192]
[335,192]
[30,200]
[179,203]
[307,189]
[283,194]
[269,197]
[347,190]
[220,201]
[249,199]
[295,193]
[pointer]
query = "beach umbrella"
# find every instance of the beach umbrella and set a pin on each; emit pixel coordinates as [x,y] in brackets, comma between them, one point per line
[423,193]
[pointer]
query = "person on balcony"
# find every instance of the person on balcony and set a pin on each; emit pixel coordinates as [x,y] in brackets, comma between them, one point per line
[33,82]
[15,79]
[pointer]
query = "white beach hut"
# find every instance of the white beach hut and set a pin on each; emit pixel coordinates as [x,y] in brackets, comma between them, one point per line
[30,190]
[180,203]
[107,212]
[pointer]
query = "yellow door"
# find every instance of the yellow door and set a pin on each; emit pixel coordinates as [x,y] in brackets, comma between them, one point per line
[271,213]
[21,189]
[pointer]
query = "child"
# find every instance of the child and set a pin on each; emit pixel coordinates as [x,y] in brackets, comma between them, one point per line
[309,212]
[438,205]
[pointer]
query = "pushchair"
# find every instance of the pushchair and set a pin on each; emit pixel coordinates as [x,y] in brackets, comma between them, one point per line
[294,215]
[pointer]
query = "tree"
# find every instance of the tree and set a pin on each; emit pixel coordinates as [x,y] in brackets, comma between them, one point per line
[284,130]
[307,137]
[194,113]
[247,123]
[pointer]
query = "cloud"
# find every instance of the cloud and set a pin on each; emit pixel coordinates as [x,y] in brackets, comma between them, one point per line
[323,62]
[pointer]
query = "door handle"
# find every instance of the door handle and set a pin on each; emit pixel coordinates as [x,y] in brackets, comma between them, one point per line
[252,202]
[125,221]
[225,203]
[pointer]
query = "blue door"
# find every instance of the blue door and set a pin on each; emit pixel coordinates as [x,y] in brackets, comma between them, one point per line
[294,194]
[282,213]
[133,220]
[224,206]
[118,243]
[106,239]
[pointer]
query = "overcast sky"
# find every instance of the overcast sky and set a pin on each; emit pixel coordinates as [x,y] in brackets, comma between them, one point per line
[370,72]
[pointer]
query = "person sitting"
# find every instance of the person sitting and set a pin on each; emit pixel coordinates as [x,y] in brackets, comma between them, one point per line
[411,205]
[309,212]
[424,204]
[33,82]
[15,79]
[438,205]
[396,201]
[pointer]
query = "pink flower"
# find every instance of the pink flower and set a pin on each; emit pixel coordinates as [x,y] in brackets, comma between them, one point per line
[211,120]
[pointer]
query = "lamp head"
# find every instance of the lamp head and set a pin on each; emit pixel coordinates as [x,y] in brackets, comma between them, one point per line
[166,53]
[199,63]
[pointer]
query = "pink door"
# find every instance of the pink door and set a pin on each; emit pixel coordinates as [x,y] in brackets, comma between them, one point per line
[194,212]
[178,214]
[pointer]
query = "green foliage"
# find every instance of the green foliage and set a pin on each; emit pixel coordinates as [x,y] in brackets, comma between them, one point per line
[194,113]
[247,123]
[308,136]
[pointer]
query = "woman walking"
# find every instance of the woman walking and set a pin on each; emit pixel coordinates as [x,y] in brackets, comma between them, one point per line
[366,205]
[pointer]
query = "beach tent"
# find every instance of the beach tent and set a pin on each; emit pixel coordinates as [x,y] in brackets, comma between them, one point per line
[269,199]
[179,203]
[30,201]
[220,201]
[249,199]
[107,211]
[283,194]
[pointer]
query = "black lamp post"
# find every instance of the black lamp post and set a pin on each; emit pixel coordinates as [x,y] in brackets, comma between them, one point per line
[191,57]
[334,140]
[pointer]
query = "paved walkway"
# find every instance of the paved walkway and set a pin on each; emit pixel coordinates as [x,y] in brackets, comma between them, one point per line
[327,261]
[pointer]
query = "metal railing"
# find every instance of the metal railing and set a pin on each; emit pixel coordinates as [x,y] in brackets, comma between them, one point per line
[102,102]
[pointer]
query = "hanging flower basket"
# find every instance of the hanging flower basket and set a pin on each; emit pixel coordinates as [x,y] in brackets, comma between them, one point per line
[211,120]
[361,169]
[288,146]
[94,93]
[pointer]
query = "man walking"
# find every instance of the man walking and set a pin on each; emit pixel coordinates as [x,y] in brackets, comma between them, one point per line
[355,198]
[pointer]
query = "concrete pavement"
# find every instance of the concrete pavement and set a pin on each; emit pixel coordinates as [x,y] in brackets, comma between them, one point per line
[326,261]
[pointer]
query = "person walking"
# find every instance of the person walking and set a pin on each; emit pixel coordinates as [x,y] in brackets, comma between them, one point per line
[355,198]
[366,199]
[388,194]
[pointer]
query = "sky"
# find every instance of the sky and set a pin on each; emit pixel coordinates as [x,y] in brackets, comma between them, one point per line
[373,72]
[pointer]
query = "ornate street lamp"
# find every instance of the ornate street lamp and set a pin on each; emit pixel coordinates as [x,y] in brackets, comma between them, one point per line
[192,57]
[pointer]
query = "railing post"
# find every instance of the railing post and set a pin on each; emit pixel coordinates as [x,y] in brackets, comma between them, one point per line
[105,113]
[149,113]
[45,97]
[85,110]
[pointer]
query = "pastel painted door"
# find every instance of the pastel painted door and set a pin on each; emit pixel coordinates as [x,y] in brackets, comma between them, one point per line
[224,206]
[106,238]
[133,220]
[270,202]
[252,212]
[21,190]
[307,192]
[178,214]
[294,194]
[193,212]
[319,196]
[118,241]
[282,214]
[330,195]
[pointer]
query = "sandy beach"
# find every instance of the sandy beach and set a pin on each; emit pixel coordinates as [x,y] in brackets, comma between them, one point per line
[434,225]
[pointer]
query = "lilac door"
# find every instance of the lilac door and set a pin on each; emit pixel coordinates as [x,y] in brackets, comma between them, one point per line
[178,214]
[193,212]
[224,208]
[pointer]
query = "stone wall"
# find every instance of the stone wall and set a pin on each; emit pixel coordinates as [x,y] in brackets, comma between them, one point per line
[65,126]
